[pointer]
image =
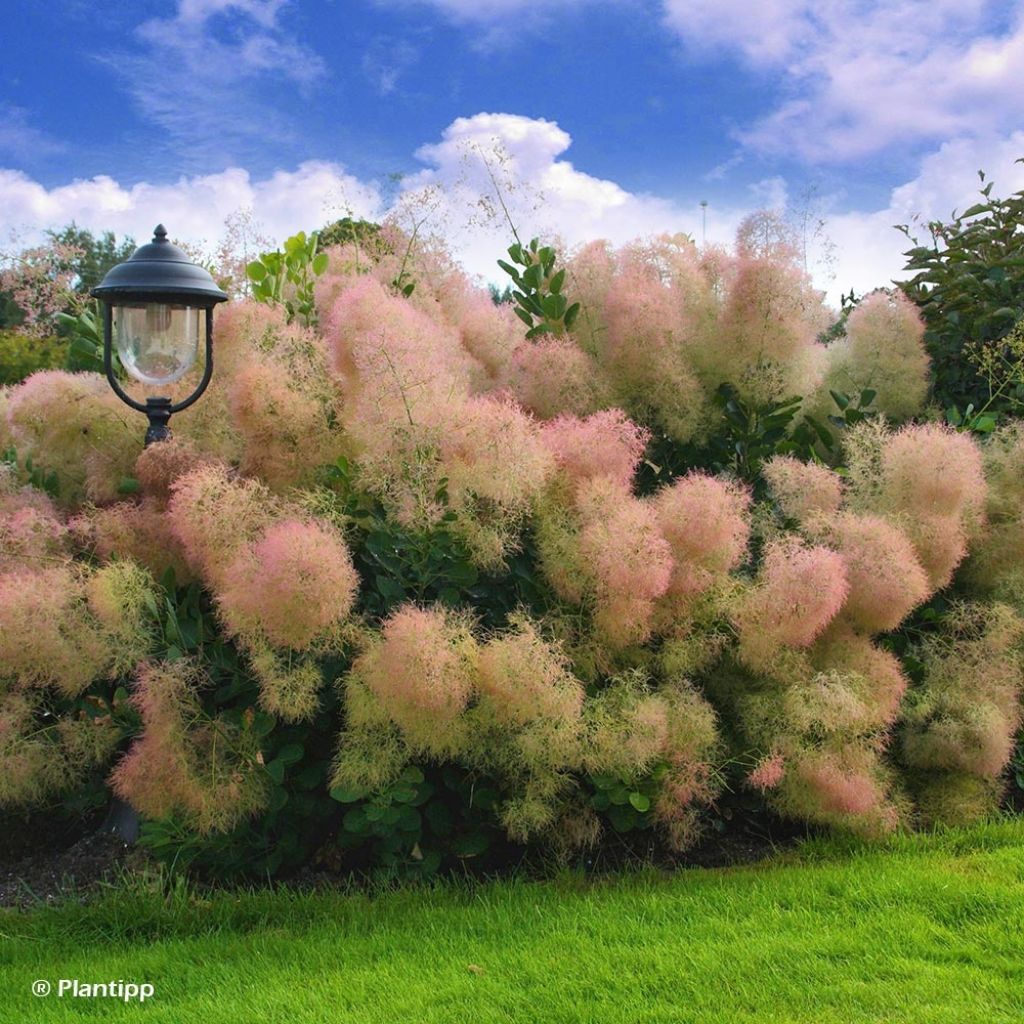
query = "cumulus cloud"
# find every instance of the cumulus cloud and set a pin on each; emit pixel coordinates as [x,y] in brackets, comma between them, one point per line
[193,208]
[483,161]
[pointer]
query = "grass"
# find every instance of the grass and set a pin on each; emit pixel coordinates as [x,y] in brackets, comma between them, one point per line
[925,929]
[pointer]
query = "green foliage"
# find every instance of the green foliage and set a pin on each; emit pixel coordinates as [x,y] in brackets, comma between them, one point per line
[295,757]
[969,284]
[97,255]
[399,563]
[286,278]
[752,434]
[22,355]
[297,817]
[347,231]
[84,330]
[847,304]
[626,804]
[501,296]
[971,420]
[425,820]
[538,290]
[748,434]
[27,471]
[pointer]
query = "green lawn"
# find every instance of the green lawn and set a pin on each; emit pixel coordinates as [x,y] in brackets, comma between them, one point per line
[930,928]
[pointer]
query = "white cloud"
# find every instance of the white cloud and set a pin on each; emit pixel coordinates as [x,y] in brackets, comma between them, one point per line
[765,33]
[193,209]
[545,194]
[386,60]
[486,12]
[869,250]
[499,25]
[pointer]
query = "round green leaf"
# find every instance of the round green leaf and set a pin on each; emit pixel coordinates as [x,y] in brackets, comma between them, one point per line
[640,802]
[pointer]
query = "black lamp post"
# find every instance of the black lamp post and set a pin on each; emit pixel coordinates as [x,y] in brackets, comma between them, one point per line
[153,308]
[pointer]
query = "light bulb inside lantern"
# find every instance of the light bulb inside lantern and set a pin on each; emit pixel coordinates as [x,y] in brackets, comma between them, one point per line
[158,343]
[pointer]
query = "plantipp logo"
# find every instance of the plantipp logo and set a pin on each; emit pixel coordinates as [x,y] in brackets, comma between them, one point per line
[126,991]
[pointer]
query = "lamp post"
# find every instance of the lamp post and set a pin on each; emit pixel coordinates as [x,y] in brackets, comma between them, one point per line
[154,308]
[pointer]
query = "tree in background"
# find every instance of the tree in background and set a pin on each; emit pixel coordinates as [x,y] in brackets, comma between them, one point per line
[39,282]
[97,254]
[969,287]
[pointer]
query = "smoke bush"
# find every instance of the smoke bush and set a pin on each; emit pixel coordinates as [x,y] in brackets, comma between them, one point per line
[627,728]
[930,470]
[883,350]
[605,444]
[496,464]
[997,559]
[74,425]
[628,559]
[319,506]
[293,583]
[140,531]
[160,466]
[644,348]
[492,335]
[47,636]
[844,788]
[803,490]
[705,521]
[31,532]
[928,480]
[875,673]
[964,718]
[526,678]
[285,431]
[214,514]
[768,772]
[422,671]
[186,762]
[395,364]
[886,579]
[766,332]
[554,377]
[800,590]
[40,758]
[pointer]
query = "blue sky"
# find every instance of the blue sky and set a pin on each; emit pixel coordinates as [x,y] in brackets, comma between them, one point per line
[611,118]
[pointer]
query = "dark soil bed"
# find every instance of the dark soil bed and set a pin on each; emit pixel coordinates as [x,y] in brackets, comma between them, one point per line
[49,875]
[47,859]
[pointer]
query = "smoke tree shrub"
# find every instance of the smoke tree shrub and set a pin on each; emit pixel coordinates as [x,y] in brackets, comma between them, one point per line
[882,350]
[960,725]
[403,555]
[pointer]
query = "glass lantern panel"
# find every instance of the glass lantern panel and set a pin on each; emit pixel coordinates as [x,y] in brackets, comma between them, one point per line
[158,343]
